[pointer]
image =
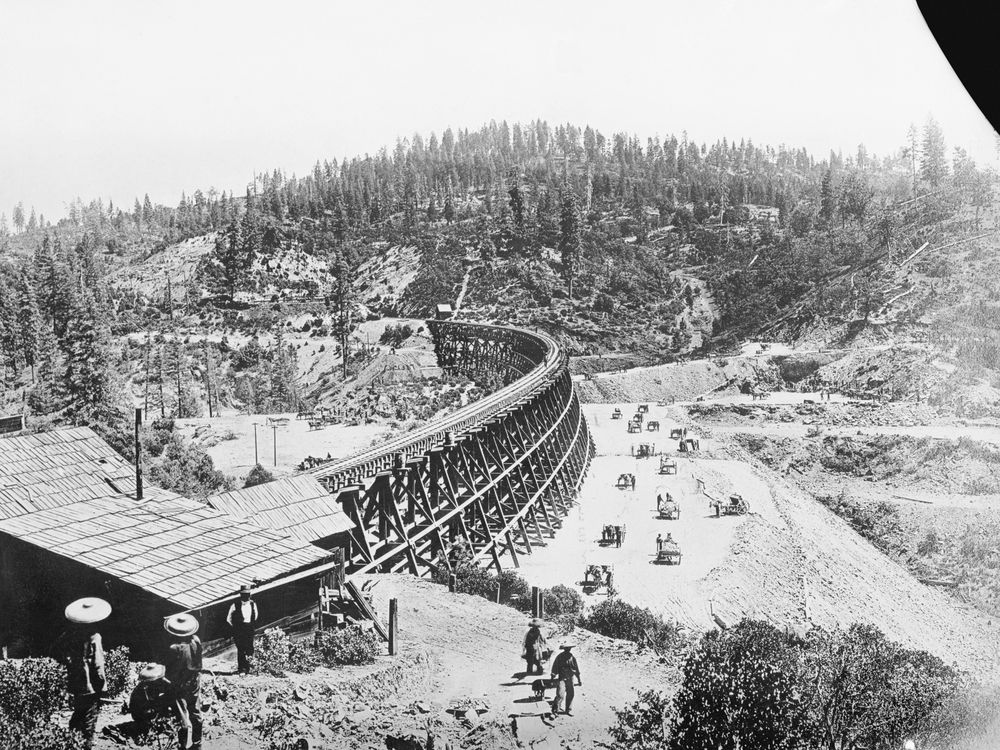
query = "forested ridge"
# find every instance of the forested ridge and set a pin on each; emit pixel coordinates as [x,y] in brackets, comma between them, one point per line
[608,242]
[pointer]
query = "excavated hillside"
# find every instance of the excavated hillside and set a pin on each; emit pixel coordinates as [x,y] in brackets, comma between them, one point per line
[790,561]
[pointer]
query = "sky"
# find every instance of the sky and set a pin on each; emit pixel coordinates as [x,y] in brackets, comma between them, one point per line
[119,98]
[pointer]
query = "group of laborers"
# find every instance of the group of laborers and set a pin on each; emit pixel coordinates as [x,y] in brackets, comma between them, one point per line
[564,667]
[171,688]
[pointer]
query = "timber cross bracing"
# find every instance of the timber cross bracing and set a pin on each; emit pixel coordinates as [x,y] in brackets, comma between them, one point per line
[499,474]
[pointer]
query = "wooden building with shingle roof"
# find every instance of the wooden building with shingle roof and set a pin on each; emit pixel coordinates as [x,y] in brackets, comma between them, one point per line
[71,526]
[299,506]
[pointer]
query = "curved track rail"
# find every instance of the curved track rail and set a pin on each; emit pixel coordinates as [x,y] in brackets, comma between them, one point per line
[496,475]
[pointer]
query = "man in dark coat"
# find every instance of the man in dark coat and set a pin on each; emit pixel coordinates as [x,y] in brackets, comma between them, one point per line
[183,668]
[534,647]
[564,669]
[242,618]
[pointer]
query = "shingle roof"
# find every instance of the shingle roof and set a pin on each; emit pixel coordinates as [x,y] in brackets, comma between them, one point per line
[300,506]
[49,469]
[71,499]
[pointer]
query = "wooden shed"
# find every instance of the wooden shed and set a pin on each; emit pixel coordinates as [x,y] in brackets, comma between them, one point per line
[71,526]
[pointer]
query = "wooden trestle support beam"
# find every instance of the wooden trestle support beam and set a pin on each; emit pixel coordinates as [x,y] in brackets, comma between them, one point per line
[500,475]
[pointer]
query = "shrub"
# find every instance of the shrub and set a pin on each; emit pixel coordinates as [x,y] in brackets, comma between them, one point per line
[16,735]
[617,619]
[348,646]
[118,671]
[258,475]
[31,690]
[561,600]
[514,589]
[756,686]
[394,335]
[276,654]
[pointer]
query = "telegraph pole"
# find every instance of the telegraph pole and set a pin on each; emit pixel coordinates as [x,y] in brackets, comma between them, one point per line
[274,427]
[255,459]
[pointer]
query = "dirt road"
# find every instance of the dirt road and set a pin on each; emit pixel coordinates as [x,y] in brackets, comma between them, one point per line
[790,561]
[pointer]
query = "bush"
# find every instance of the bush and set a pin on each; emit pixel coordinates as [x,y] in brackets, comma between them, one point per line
[756,686]
[46,735]
[118,671]
[258,475]
[276,654]
[31,690]
[561,600]
[617,619]
[514,590]
[394,335]
[348,646]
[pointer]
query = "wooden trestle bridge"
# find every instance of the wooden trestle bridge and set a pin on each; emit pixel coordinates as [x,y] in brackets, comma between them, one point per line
[498,474]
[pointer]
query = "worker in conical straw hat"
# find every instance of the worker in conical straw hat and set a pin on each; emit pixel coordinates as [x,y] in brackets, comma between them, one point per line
[151,697]
[183,668]
[564,669]
[85,663]
[534,647]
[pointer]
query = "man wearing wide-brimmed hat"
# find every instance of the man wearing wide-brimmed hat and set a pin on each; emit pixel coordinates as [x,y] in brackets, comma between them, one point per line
[564,669]
[151,697]
[85,668]
[183,667]
[534,647]
[242,618]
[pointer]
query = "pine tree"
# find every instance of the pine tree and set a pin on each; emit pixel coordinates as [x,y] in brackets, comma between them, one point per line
[569,238]
[827,200]
[341,301]
[449,209]
[18,217]
[284,392]
[933,165]
[87,378]
[147,210]
[29,323]
[432,212]
[47,393]
[9,328]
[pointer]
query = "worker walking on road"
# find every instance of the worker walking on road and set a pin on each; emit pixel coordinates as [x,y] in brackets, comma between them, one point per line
[183,666]
[535,647]
[85,664]
[564,669]
[242,618]
[618,536]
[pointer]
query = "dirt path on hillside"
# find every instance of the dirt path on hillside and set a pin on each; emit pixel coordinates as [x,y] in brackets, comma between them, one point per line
[475,648]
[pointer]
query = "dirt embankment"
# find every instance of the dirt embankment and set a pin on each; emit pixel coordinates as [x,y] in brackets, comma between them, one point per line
[682,381]
[961,466]
[845,414]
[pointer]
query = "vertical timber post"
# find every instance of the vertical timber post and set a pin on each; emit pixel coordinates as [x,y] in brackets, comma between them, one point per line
[138,455]
[393,627]
[452,583]
[535,595]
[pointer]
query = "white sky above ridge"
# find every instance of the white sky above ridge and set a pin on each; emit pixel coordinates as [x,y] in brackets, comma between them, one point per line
[115,99]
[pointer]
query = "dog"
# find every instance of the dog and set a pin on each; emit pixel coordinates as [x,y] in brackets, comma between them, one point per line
[539,687]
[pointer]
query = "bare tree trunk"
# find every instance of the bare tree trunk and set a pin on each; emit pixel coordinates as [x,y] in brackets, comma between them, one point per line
[208,377]
[178,345]
[345,322]
[145,405]
[163,402]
